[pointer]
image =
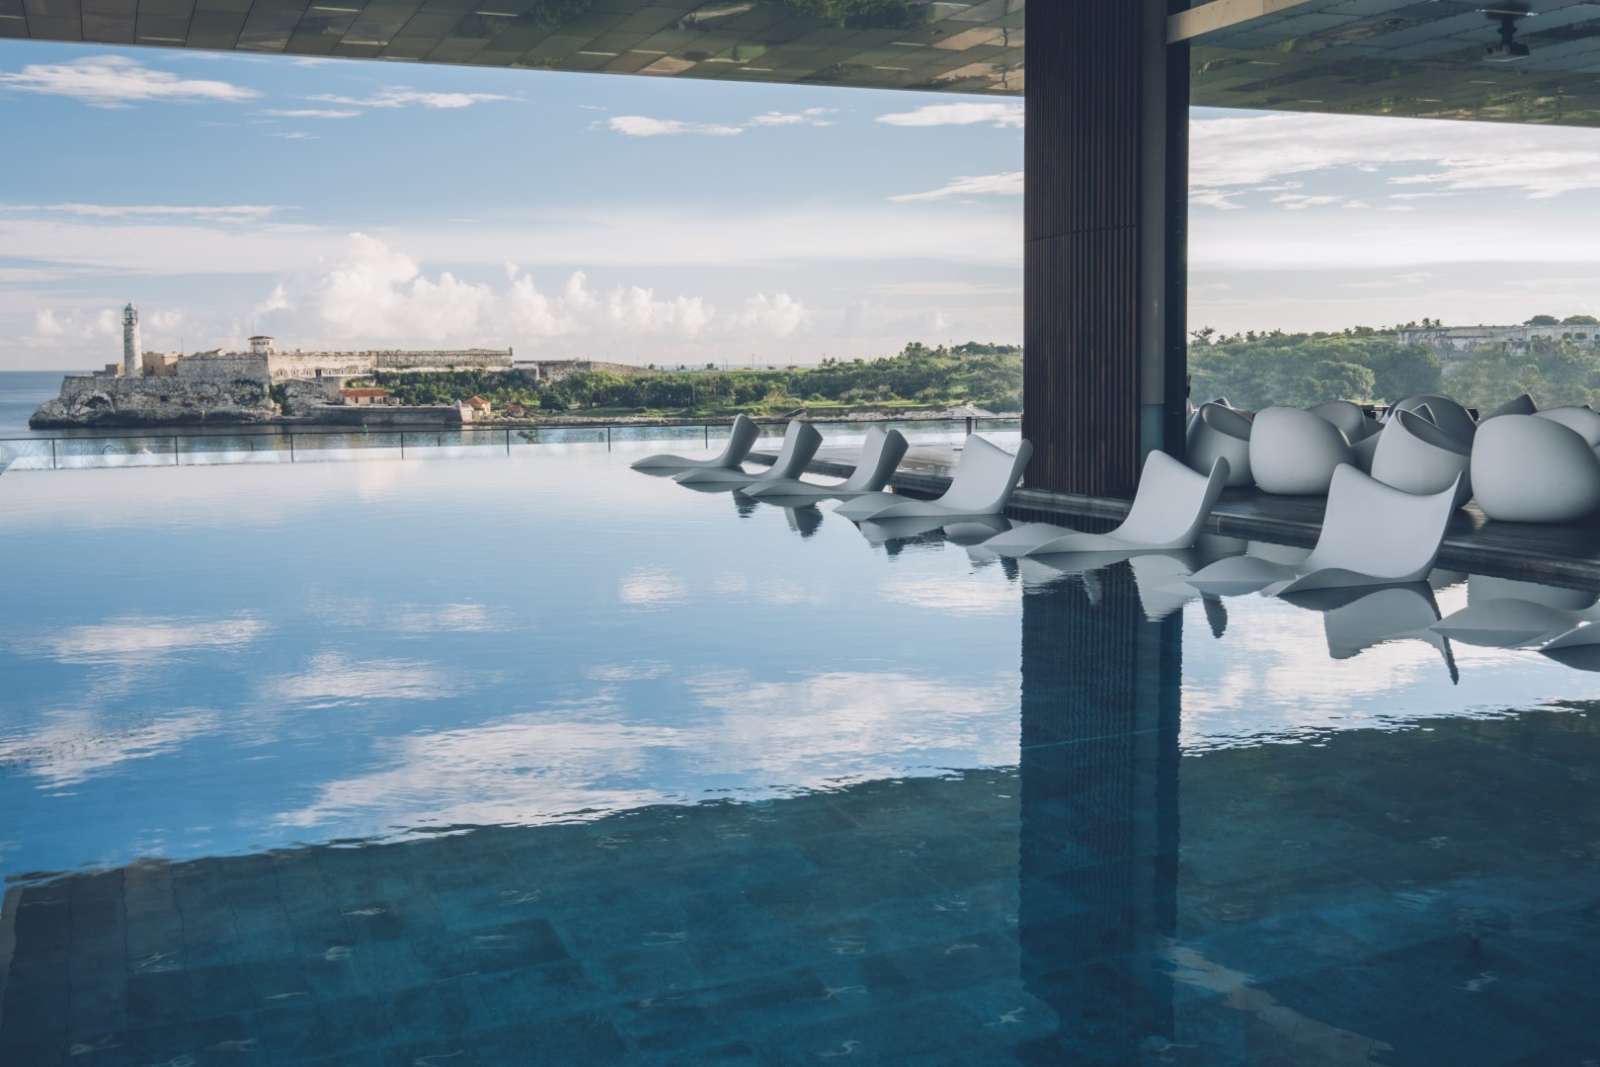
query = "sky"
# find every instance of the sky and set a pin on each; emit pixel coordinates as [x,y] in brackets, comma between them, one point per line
[339,204]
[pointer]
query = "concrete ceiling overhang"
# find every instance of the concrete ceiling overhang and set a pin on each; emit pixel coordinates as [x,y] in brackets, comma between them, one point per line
[969,46]
[1419,58]
[1422,58]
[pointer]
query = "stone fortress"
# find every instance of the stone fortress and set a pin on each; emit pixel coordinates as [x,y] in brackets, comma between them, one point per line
[157,388]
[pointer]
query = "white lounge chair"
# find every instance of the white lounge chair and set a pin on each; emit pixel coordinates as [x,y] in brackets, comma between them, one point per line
[1294,453]
[982,484]
[1443,412]
[1219,432]
[1415,455]
[881,453]
[741,439]
[1531,469]
[1168,510]
[1352,549]
[800,441]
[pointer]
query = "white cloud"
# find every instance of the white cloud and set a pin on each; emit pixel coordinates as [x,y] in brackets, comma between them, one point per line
[380,294]
[214,213]
[1301,201]
[644,126]
[376,293]
[116,82]
[72,748]
[332,679]
[45,324]
[1230,156]
[778,315]
[142,638]
[1006,184]
[811,116]
[311,113]
[402,96]
[277,300]
[297,135]
[648,588]
[1004,116]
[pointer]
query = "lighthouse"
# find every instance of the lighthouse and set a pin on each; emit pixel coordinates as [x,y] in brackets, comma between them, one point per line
[131,349]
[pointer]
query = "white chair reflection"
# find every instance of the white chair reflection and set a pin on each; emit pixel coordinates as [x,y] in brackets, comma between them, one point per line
[1506,613]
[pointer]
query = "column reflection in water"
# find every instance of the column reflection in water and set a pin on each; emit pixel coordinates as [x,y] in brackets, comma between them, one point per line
[1099,836]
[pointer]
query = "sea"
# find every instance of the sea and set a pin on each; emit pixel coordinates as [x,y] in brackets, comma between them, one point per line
[21,393]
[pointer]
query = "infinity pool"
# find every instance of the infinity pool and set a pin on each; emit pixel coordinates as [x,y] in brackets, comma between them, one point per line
[530,758]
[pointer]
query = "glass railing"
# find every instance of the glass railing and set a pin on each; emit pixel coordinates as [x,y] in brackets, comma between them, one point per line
[178,448]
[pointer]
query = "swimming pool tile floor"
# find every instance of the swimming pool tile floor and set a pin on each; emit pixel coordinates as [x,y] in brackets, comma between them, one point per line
[884,922]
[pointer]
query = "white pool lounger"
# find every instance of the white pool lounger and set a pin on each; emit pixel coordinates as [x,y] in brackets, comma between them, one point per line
[1168,511]
[800,442]
[983,483]
[741,439]
[1352,549]
[881,453]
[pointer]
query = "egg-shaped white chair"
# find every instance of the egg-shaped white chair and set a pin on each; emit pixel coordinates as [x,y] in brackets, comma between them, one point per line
[1583,421]
[1219,432]
[1530,469]
[1415,455]
[1294,453]
[1443,412]
[1351,420]
[1521,404]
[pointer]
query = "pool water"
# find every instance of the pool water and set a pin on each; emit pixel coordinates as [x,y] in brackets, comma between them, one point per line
[531,758]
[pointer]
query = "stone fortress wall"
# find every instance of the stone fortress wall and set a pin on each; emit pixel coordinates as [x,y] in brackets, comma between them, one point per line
[286,366]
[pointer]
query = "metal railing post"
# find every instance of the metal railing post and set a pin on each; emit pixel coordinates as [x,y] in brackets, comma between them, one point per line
[291,448]
[708,435]
[175,461]
[52,453]
[402,444]
[608,439]
[508,440]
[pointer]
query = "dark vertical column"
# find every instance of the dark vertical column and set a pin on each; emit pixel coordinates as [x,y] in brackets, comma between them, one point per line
[1097,900]
[1105,230]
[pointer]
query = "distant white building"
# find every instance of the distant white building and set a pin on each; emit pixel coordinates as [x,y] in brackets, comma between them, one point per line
[1449,340]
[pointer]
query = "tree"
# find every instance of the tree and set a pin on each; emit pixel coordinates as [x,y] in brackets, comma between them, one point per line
[1543,320]
[1580,320]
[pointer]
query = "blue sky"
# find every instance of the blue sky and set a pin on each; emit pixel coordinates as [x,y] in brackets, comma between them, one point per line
[360,204]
